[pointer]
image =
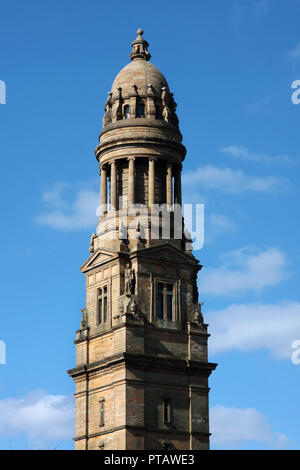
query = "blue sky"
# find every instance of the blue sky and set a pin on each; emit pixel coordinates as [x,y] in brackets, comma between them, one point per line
[231,66]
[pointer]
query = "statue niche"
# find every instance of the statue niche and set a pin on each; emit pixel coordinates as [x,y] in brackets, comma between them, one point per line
[129,281]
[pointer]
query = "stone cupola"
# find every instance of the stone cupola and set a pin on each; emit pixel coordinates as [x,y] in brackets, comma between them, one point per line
[140,147]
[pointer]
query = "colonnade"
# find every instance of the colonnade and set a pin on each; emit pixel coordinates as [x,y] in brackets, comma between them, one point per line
[173,172]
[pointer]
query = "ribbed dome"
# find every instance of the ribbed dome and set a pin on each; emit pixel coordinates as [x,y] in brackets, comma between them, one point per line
[142,74]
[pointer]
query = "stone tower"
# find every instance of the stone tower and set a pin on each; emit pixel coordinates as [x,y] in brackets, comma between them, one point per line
[141,370]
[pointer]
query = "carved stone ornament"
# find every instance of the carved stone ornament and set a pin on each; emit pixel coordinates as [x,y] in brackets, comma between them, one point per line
[198,317]
[83,323]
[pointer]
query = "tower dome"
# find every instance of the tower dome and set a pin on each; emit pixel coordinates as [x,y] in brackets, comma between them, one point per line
[140,90]
[141,74]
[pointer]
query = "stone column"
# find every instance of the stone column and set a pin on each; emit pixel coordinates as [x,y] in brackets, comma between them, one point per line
[151,181]
[169,185]
[103,190]
[177,186]
[131,181]
[113,185]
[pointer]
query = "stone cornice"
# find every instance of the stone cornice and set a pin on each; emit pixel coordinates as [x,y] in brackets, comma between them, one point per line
[141,122]
[143,429]
[146,362]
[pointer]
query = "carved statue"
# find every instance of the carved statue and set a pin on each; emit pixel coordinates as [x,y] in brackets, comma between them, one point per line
[118,111]
[134,308]
[91,247]
[83,323]
[198,317]
[108,110]
[129,280]
[173,107]
[169,107]
[166,114]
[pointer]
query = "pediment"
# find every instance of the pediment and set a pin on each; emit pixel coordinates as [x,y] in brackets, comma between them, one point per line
[168,252]
[98,258]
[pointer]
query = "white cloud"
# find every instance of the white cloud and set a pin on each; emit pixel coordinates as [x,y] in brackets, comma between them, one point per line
[70,207]
[294,54]
[233,428]
[247,269]
[42,418]
[231,181]
[255,326]
[243,153]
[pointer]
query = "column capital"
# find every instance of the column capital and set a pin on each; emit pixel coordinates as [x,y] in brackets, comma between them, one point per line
[131,158]
[103,167]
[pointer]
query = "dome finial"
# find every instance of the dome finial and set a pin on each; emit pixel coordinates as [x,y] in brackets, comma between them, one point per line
[140,47]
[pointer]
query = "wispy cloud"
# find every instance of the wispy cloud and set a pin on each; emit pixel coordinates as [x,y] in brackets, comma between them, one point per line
[243,153]
[231,181]
[43,419]
[70,207]
[233,428]
[255,326]
[247,269]
[216,225]
[258,105]
[294,53]
[254,10]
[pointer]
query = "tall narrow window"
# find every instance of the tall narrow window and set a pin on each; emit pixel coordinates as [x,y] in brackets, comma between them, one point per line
[160,300]
[102,305]
[169,295]
[140,112]
[126,112]
[100,319]
[101,416]
[105,304]
[165,301]
[167,412]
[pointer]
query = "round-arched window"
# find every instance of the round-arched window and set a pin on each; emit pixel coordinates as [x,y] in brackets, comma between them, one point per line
[126,111]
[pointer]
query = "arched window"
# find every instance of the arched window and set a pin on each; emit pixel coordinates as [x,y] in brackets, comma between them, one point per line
[140,112]
[126,111]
